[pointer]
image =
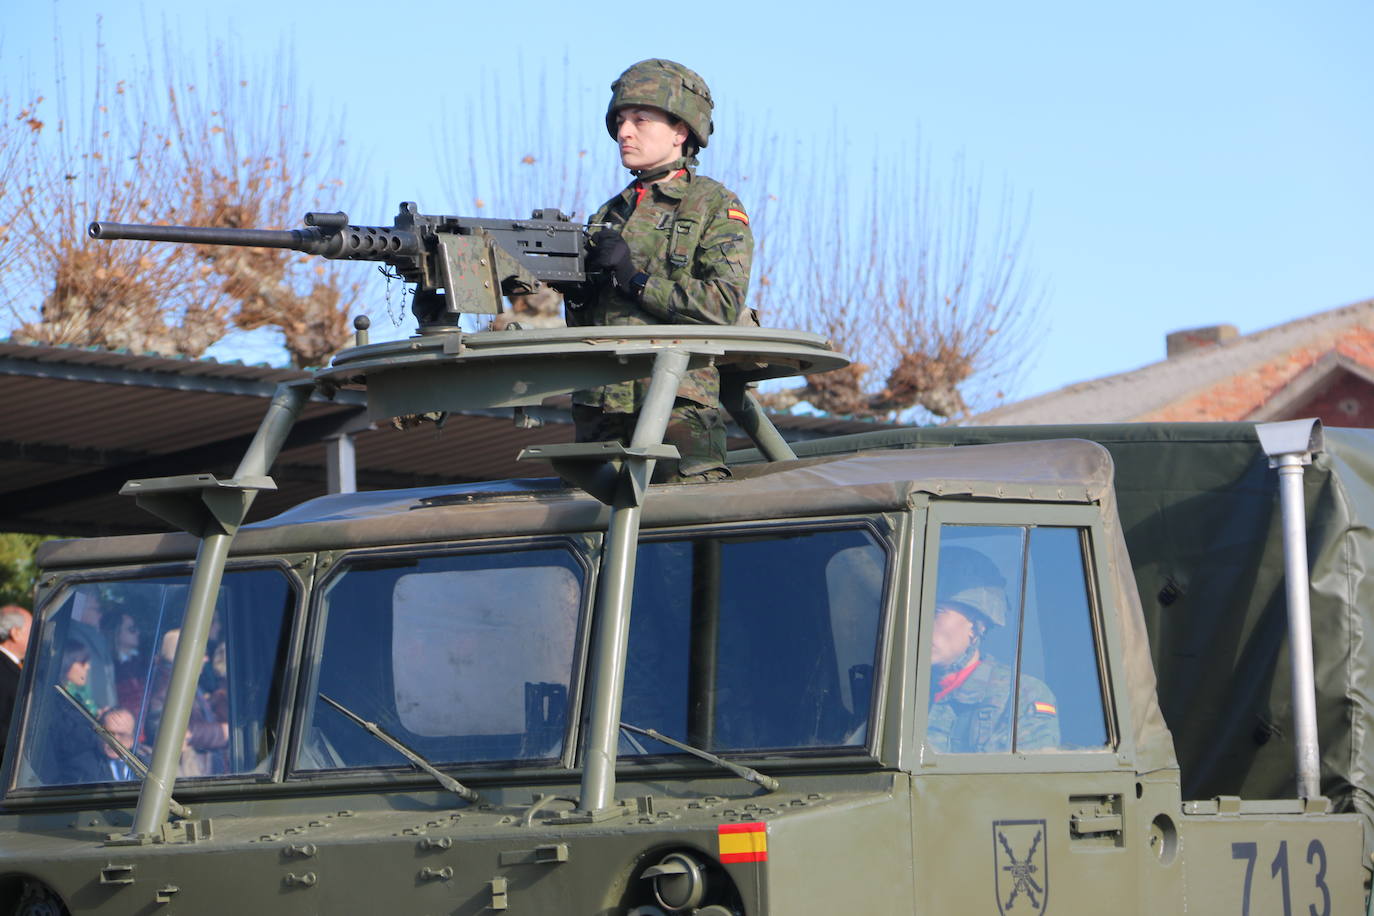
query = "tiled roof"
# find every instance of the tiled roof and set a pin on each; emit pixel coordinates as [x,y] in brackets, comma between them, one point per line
[1232,380]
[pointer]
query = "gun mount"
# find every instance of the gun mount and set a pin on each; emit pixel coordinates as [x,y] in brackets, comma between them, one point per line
[459,264]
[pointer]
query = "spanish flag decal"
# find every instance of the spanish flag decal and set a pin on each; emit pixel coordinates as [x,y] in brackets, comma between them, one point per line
[736,213]
[743,842]
[1047,708]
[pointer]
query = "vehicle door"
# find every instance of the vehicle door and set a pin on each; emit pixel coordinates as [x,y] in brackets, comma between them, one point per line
[1025,781]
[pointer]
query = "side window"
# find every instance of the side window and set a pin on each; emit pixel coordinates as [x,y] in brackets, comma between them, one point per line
[105,655]
[464,658]
[764,641]
[1014,662]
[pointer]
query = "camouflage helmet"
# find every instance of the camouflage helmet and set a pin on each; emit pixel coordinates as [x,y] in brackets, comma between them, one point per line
[666,85]
[969,581]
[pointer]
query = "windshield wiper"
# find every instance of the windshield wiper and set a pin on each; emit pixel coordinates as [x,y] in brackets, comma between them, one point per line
[128,756]
[743,772]
[448,782]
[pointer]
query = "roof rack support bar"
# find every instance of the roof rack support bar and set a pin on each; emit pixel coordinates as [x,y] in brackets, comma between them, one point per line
[736,397]
[217,533]
[1290,445]
[615,587]
[341,464]
[287,403]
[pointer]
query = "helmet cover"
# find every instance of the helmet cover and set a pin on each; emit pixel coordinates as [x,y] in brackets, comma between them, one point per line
[666,85]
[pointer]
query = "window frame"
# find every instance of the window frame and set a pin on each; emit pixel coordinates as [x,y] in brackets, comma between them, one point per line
[887,531]
[334,565]
[1119,752]
[53,592]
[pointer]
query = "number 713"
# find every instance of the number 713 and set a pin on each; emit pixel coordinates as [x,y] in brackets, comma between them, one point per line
[1278,868]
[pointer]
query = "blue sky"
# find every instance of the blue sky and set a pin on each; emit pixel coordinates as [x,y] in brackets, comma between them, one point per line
[1186,163]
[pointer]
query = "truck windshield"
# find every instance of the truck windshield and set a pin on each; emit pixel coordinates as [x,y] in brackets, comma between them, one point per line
[758,642]
[109,645]
[466,657]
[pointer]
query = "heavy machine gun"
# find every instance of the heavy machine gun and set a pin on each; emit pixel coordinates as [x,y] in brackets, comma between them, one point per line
[459,264]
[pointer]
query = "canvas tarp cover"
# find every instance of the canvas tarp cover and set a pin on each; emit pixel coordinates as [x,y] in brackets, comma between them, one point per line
[1199,508]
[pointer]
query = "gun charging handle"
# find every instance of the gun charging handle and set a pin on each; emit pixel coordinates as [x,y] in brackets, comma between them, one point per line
[329,222]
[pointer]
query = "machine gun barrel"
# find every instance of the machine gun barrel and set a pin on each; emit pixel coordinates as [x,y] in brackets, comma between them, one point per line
[365,243]
[260,238]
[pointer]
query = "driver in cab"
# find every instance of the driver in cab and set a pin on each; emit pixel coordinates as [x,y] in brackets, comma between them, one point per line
[971,706]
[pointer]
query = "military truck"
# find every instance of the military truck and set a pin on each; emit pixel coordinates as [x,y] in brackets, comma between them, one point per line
[598,695]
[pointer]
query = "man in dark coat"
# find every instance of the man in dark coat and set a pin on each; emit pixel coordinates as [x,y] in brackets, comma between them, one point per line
[15,623]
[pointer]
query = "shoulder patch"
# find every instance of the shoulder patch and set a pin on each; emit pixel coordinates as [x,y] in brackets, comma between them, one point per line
[737,213]
[1046,708]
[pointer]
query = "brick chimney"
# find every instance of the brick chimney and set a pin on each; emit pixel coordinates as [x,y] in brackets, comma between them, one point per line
[1180,342]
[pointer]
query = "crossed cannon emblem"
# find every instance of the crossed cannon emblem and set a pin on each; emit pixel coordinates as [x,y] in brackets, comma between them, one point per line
[1022,881]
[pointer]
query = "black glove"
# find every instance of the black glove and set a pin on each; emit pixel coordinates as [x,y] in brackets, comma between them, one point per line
[611,254]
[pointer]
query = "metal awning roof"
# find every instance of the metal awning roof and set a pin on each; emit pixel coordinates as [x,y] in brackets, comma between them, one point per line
[75,424]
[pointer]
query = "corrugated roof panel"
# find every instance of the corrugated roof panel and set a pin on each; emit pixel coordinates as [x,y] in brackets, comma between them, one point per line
[77,423]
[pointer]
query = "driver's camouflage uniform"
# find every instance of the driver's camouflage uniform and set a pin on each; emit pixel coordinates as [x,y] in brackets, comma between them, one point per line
[976,715]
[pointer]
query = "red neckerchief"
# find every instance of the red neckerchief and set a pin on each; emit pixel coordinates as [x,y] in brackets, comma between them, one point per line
[952,682]
[642,189]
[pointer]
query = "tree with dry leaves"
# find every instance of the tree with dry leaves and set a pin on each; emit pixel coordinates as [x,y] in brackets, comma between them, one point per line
[938,312]
[175,144]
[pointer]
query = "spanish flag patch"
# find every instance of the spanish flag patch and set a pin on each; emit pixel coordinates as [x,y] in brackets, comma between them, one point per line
[743,842]
[1047,708]
[736,213]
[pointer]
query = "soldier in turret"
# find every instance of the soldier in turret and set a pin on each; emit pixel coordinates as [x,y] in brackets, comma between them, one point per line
[971,694]
[679,251]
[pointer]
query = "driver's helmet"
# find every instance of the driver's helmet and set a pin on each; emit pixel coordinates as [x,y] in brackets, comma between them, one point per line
[970,583]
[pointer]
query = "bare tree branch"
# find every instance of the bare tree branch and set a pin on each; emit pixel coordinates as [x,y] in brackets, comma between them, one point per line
[936,313]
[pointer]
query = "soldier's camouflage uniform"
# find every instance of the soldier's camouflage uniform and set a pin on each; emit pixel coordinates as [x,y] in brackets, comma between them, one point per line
[690,234]
[976,716]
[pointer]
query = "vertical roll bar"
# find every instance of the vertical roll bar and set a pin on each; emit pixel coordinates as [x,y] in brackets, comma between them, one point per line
[213,511]
[615,590]
[1290,446]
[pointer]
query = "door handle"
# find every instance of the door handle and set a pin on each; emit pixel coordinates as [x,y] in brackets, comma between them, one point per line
[1084,824]
[1095,816]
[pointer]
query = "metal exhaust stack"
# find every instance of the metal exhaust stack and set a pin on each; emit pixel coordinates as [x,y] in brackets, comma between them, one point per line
[1290,445]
